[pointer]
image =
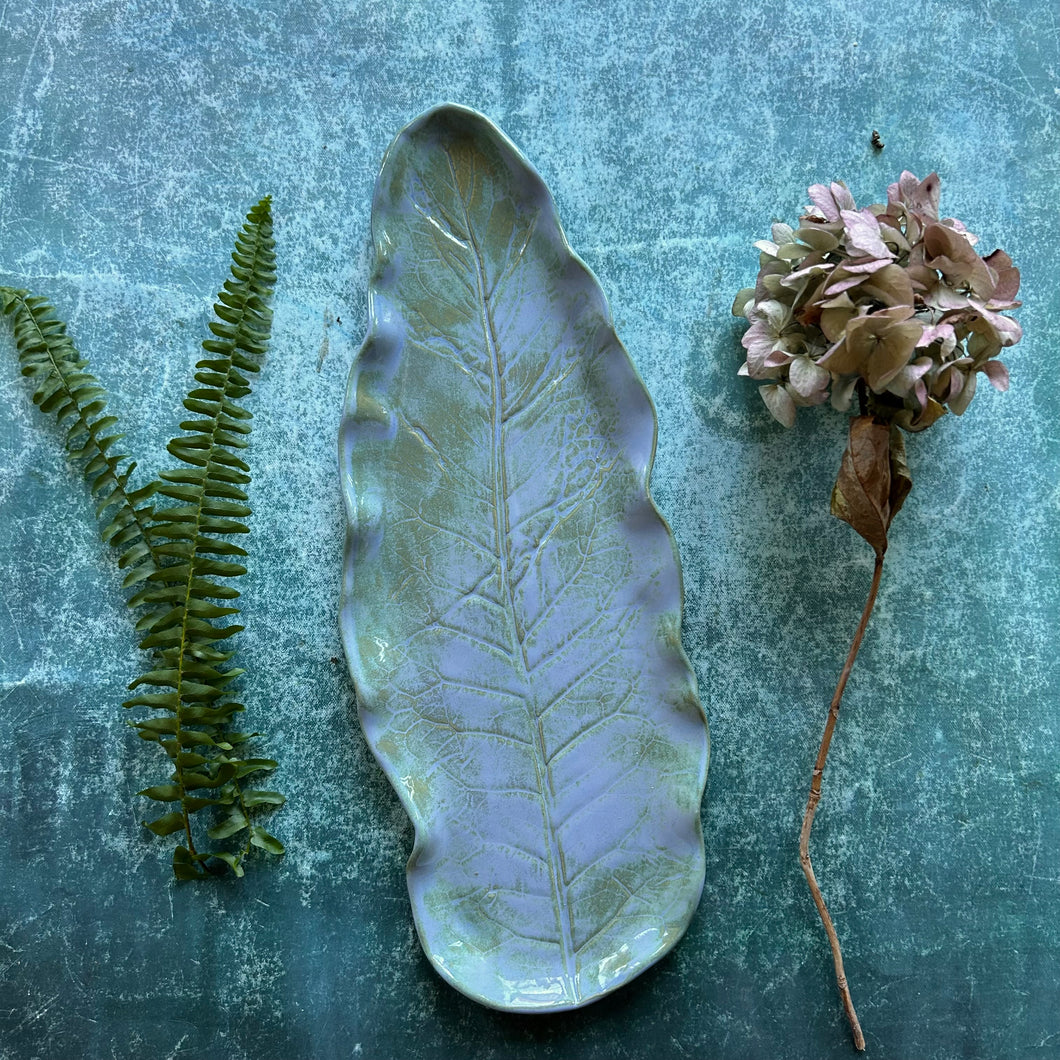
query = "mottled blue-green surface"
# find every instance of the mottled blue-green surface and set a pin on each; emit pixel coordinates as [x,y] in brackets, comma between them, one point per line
[133,136]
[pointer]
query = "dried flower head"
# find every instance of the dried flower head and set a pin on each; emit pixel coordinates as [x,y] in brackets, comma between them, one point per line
[888,299]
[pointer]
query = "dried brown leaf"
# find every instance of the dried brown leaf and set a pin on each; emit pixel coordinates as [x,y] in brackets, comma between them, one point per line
[873,480]
[901,478]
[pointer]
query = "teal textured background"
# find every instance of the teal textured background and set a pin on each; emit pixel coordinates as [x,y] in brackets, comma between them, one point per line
[133,137]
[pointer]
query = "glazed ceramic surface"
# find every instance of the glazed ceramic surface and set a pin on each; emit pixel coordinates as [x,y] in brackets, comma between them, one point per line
[512,597]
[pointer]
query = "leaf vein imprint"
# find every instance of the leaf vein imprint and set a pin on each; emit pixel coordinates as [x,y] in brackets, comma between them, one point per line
[502,531]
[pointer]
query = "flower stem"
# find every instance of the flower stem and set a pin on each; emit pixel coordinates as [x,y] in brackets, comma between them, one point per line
[815,798]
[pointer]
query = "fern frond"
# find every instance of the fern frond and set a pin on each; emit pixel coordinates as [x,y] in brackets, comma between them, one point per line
[65,388]
[179,553]
[192,537]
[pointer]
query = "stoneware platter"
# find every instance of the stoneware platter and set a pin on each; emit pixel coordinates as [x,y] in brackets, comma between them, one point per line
[512,597]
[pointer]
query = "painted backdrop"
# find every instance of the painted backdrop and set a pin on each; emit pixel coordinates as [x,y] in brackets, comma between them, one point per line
[133,137]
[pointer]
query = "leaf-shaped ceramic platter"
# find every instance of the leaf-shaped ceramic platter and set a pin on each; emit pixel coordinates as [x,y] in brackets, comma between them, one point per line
[512,597]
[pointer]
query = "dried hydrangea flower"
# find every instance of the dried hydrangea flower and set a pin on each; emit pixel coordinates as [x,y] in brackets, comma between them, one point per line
[889,297]
[895,305]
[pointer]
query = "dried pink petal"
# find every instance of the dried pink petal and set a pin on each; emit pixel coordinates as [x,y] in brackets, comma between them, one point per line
[864,266]
[769,278]
[821,197]
[921,418]
[941,242]
[842,282]
[943,333]
[889,285]
[958,226]
[794,279]
[891,233]
[809,380]
[743,300]
[971,275]
[841,359]
[909,380]
[1006,329]
[959,403]
[949,382]
[820,237]
[894,312]
[1007,284]
[921,196]
[836,315]
[997,373]
[921,277]
[843,199]
[889,351]
[831,199]
[759,341]
[945,298]
[862,232]
[843,392]
[877,346]
[779,403]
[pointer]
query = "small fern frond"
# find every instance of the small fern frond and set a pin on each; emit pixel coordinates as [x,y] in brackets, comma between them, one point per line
[65,388]
[192,536]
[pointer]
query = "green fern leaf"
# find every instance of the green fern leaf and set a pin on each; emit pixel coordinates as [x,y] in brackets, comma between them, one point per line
[192,538]
[179,556]
[64,387]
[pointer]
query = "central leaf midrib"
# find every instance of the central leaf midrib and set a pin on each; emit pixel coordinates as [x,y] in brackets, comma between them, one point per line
[501,530]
